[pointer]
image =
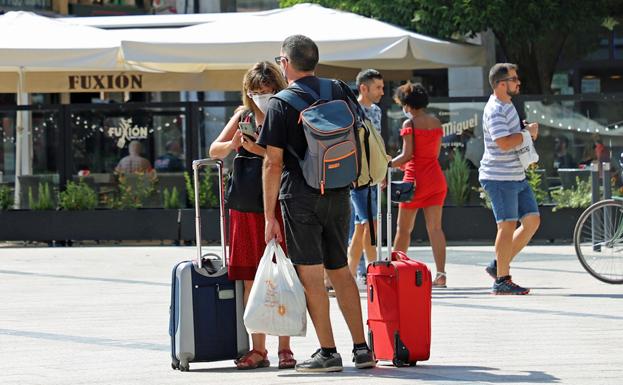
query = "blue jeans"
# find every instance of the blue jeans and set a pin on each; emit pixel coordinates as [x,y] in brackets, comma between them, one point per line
[359,201]
[511,200]
[359,215]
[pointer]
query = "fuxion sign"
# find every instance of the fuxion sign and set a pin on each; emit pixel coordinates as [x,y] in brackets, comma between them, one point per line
[105,82]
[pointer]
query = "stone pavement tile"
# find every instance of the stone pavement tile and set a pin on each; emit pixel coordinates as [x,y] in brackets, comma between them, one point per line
[100,316]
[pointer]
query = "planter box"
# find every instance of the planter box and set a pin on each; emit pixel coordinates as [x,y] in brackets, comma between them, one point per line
[469,223]
[105,224]
[476,223]
[557,225]
[210,225]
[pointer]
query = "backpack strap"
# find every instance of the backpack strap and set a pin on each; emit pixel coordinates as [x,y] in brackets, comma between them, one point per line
[291,97]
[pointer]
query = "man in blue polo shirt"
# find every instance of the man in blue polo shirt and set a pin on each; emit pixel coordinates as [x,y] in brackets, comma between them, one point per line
[503,178]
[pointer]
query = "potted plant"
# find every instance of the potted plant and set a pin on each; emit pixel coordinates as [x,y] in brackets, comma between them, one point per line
[6,198]
[171,199]
[77,196]
[457,178]
[44,199]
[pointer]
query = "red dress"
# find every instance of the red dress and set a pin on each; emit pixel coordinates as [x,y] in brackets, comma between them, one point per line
[424,168]
[246,243]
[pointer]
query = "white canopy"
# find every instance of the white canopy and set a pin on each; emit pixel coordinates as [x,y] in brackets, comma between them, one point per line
[236,41]
[33,42]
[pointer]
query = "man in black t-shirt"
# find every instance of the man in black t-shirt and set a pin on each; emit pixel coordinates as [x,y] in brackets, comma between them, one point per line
[316,225]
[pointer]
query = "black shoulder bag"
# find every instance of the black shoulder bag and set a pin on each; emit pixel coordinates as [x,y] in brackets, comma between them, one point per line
[403,191]
[244,186]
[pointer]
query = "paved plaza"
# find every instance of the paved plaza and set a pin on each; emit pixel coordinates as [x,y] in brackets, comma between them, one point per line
[99,315]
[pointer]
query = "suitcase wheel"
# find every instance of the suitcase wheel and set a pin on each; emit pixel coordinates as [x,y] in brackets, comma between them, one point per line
[398,363]
[184,367]
[173,365]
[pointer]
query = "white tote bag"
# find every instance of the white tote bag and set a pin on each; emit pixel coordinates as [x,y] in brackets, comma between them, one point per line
[526,151]
[276,304]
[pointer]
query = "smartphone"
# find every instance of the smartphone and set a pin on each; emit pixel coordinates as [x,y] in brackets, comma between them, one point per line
[247,129]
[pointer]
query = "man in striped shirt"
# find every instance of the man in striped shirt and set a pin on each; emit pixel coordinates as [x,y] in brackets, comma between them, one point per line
[502,176]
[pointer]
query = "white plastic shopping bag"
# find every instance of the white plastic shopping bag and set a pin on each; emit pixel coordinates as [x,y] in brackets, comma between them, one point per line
[276,304]
[526,151]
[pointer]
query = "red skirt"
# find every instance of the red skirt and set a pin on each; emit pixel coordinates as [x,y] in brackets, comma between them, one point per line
[246,243]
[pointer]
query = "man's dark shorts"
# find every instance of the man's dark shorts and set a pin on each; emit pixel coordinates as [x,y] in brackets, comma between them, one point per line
[316,226]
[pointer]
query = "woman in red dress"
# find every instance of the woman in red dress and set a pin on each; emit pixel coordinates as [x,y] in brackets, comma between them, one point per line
[246,229]
[421,141]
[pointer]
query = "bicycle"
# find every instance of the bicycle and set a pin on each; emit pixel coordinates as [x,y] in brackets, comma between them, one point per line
[598,240]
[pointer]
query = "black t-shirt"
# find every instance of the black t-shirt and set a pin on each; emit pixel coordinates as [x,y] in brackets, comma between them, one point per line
[282,129]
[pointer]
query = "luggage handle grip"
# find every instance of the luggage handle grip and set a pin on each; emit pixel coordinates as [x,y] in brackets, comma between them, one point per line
[197,164]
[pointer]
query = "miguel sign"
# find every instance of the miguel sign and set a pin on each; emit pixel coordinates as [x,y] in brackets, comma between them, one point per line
[105,82]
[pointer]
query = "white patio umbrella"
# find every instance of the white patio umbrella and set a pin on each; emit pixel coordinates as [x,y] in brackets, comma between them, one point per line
[38,43]
[32,43]
[236,41]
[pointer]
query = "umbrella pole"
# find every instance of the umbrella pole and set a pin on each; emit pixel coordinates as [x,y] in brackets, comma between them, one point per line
[23,139]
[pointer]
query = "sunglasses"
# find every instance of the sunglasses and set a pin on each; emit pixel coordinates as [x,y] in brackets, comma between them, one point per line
[513,79]
[278,59]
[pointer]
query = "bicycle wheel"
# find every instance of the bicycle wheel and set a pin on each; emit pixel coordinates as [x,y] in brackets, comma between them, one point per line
[598,240]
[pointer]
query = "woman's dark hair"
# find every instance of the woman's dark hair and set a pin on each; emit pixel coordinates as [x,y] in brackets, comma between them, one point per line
[412,95]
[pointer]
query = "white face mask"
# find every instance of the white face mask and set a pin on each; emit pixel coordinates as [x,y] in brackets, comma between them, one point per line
[261,101]
[407,114]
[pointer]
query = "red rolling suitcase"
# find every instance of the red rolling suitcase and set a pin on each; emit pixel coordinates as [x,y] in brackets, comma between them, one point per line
[399,302]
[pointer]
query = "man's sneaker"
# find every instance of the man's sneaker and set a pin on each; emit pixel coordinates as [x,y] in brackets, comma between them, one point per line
[320,363]
[364,358]
[492,269]
[508,287]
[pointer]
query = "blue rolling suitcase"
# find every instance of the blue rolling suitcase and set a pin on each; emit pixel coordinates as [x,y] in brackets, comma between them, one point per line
[206,307]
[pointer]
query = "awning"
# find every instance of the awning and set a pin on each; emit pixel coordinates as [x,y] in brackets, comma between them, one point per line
[236,41]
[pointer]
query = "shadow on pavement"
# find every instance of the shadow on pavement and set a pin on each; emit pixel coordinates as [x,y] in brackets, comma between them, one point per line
[439,373]
[613,296]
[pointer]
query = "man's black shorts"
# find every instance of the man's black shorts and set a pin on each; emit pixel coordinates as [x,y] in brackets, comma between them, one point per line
[316,227]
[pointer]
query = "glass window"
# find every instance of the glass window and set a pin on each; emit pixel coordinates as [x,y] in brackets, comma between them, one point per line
[212,121]
[462,126]
[572,134]
[618,42]
[121,139]
[7,146]
[43,165]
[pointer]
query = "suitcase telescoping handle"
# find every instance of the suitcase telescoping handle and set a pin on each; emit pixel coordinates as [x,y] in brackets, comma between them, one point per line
[197,165]
[379,217]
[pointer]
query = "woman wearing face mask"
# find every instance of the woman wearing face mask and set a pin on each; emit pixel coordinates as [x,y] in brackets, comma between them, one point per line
[421,141]
[246,229]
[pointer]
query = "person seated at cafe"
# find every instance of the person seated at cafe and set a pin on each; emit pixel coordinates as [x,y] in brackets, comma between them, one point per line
[562,158]
[170,162]
[133,162]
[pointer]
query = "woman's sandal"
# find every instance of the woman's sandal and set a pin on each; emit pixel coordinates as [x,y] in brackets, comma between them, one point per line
[246,362]
[438,277]
[286,359]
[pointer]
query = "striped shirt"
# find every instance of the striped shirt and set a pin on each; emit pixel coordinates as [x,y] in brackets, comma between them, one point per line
[499,120]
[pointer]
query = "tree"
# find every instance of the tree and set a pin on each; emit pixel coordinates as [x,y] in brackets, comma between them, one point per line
[530,33]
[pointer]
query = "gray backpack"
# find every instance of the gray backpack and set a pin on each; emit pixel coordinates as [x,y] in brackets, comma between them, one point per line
[332,159]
